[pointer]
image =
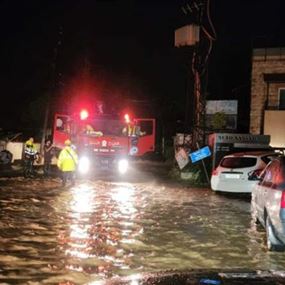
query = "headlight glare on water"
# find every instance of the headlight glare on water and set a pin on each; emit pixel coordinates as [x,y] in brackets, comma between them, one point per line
[84,165]
[123,166]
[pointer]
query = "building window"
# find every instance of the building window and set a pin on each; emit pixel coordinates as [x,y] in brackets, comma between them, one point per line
[282,98]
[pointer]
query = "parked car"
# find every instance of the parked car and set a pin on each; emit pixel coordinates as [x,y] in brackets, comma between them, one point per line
[232,174]
[5,157]
[268,203]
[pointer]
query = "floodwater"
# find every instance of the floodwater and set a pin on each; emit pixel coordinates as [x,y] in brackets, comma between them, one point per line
[100,229]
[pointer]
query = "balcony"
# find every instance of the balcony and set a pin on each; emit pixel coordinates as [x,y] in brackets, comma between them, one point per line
[275,108]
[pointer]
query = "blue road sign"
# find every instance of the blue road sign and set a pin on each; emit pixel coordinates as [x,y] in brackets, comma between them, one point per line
[200,154]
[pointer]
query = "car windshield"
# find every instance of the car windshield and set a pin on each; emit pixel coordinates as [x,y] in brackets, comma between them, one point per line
[267,158]
[238,162]
[100,127]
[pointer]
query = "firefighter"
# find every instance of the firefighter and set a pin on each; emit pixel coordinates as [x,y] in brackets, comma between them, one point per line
[67,162]
[132,130]
[89,130]
[129,130]
[30,155]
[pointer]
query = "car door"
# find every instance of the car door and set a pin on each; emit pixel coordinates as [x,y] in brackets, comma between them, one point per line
[265,180]
[273,196]
[146,142]
[262,189]
[61,130]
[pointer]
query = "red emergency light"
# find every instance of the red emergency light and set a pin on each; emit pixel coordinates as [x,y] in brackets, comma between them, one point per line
[84,114]
[127,118]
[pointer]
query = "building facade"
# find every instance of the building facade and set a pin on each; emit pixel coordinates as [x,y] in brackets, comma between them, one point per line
[267,112]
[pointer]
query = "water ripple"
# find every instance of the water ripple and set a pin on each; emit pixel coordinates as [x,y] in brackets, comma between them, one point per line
[98,230]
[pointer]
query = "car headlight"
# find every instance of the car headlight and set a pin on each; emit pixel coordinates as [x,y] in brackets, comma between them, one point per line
[84,165]
[123,166]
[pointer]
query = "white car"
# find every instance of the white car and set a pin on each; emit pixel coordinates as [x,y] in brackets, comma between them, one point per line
[232,174]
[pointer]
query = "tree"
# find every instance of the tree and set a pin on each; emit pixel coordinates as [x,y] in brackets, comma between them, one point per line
[219,121]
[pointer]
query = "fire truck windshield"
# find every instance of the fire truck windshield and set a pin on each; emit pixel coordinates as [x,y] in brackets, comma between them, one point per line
[100,127]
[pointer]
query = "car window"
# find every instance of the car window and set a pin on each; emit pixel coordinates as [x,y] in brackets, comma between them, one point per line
[146,127]
[282,172]
[262,175]
[279,178]
[270,174]
[238,162]
[267,158]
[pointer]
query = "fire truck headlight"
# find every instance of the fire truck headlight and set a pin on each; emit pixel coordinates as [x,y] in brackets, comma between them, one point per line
[123,166]
[84,165]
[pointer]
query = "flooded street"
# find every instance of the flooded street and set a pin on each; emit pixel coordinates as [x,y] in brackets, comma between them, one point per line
[100,229]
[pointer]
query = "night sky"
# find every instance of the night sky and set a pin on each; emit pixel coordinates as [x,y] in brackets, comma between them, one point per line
[123,51]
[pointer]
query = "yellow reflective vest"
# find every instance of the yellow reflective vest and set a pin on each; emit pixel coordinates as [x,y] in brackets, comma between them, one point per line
[30,148]
[67,159]
[129,130]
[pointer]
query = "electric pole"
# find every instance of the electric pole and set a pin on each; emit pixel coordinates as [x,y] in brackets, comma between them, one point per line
[53,87]
[197,36]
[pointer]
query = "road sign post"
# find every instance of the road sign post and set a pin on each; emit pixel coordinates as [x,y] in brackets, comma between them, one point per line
[200,154]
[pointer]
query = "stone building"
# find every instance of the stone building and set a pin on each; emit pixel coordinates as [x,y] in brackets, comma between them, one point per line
[267,112]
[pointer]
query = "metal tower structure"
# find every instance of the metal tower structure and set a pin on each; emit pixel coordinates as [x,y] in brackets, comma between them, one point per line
[199,12]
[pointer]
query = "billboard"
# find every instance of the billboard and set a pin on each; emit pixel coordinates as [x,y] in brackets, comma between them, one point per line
[229,107]
[227,143]
[221,114]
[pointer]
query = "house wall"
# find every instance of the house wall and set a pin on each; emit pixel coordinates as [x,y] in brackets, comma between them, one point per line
[264,61]
[274,121]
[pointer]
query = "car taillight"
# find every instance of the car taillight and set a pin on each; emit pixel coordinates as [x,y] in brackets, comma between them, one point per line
[283,200]
[215,172]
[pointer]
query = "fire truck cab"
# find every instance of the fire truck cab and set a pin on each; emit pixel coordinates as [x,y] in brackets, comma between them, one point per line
[105,141]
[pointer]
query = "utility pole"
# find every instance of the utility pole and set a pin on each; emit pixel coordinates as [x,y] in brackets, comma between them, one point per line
[197,36]
[53,88]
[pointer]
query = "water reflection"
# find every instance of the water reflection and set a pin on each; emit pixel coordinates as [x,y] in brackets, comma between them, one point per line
[125,210]
[98,230]
[82,199]
[133,279]
[79,233]
[98,223]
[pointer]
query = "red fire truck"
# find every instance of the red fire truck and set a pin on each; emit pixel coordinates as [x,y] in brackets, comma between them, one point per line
[105,141]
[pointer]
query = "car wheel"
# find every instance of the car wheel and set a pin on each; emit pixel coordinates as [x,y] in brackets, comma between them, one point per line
[5,157]
[273,244]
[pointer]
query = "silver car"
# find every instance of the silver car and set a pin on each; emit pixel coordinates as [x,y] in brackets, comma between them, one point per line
[268,203]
